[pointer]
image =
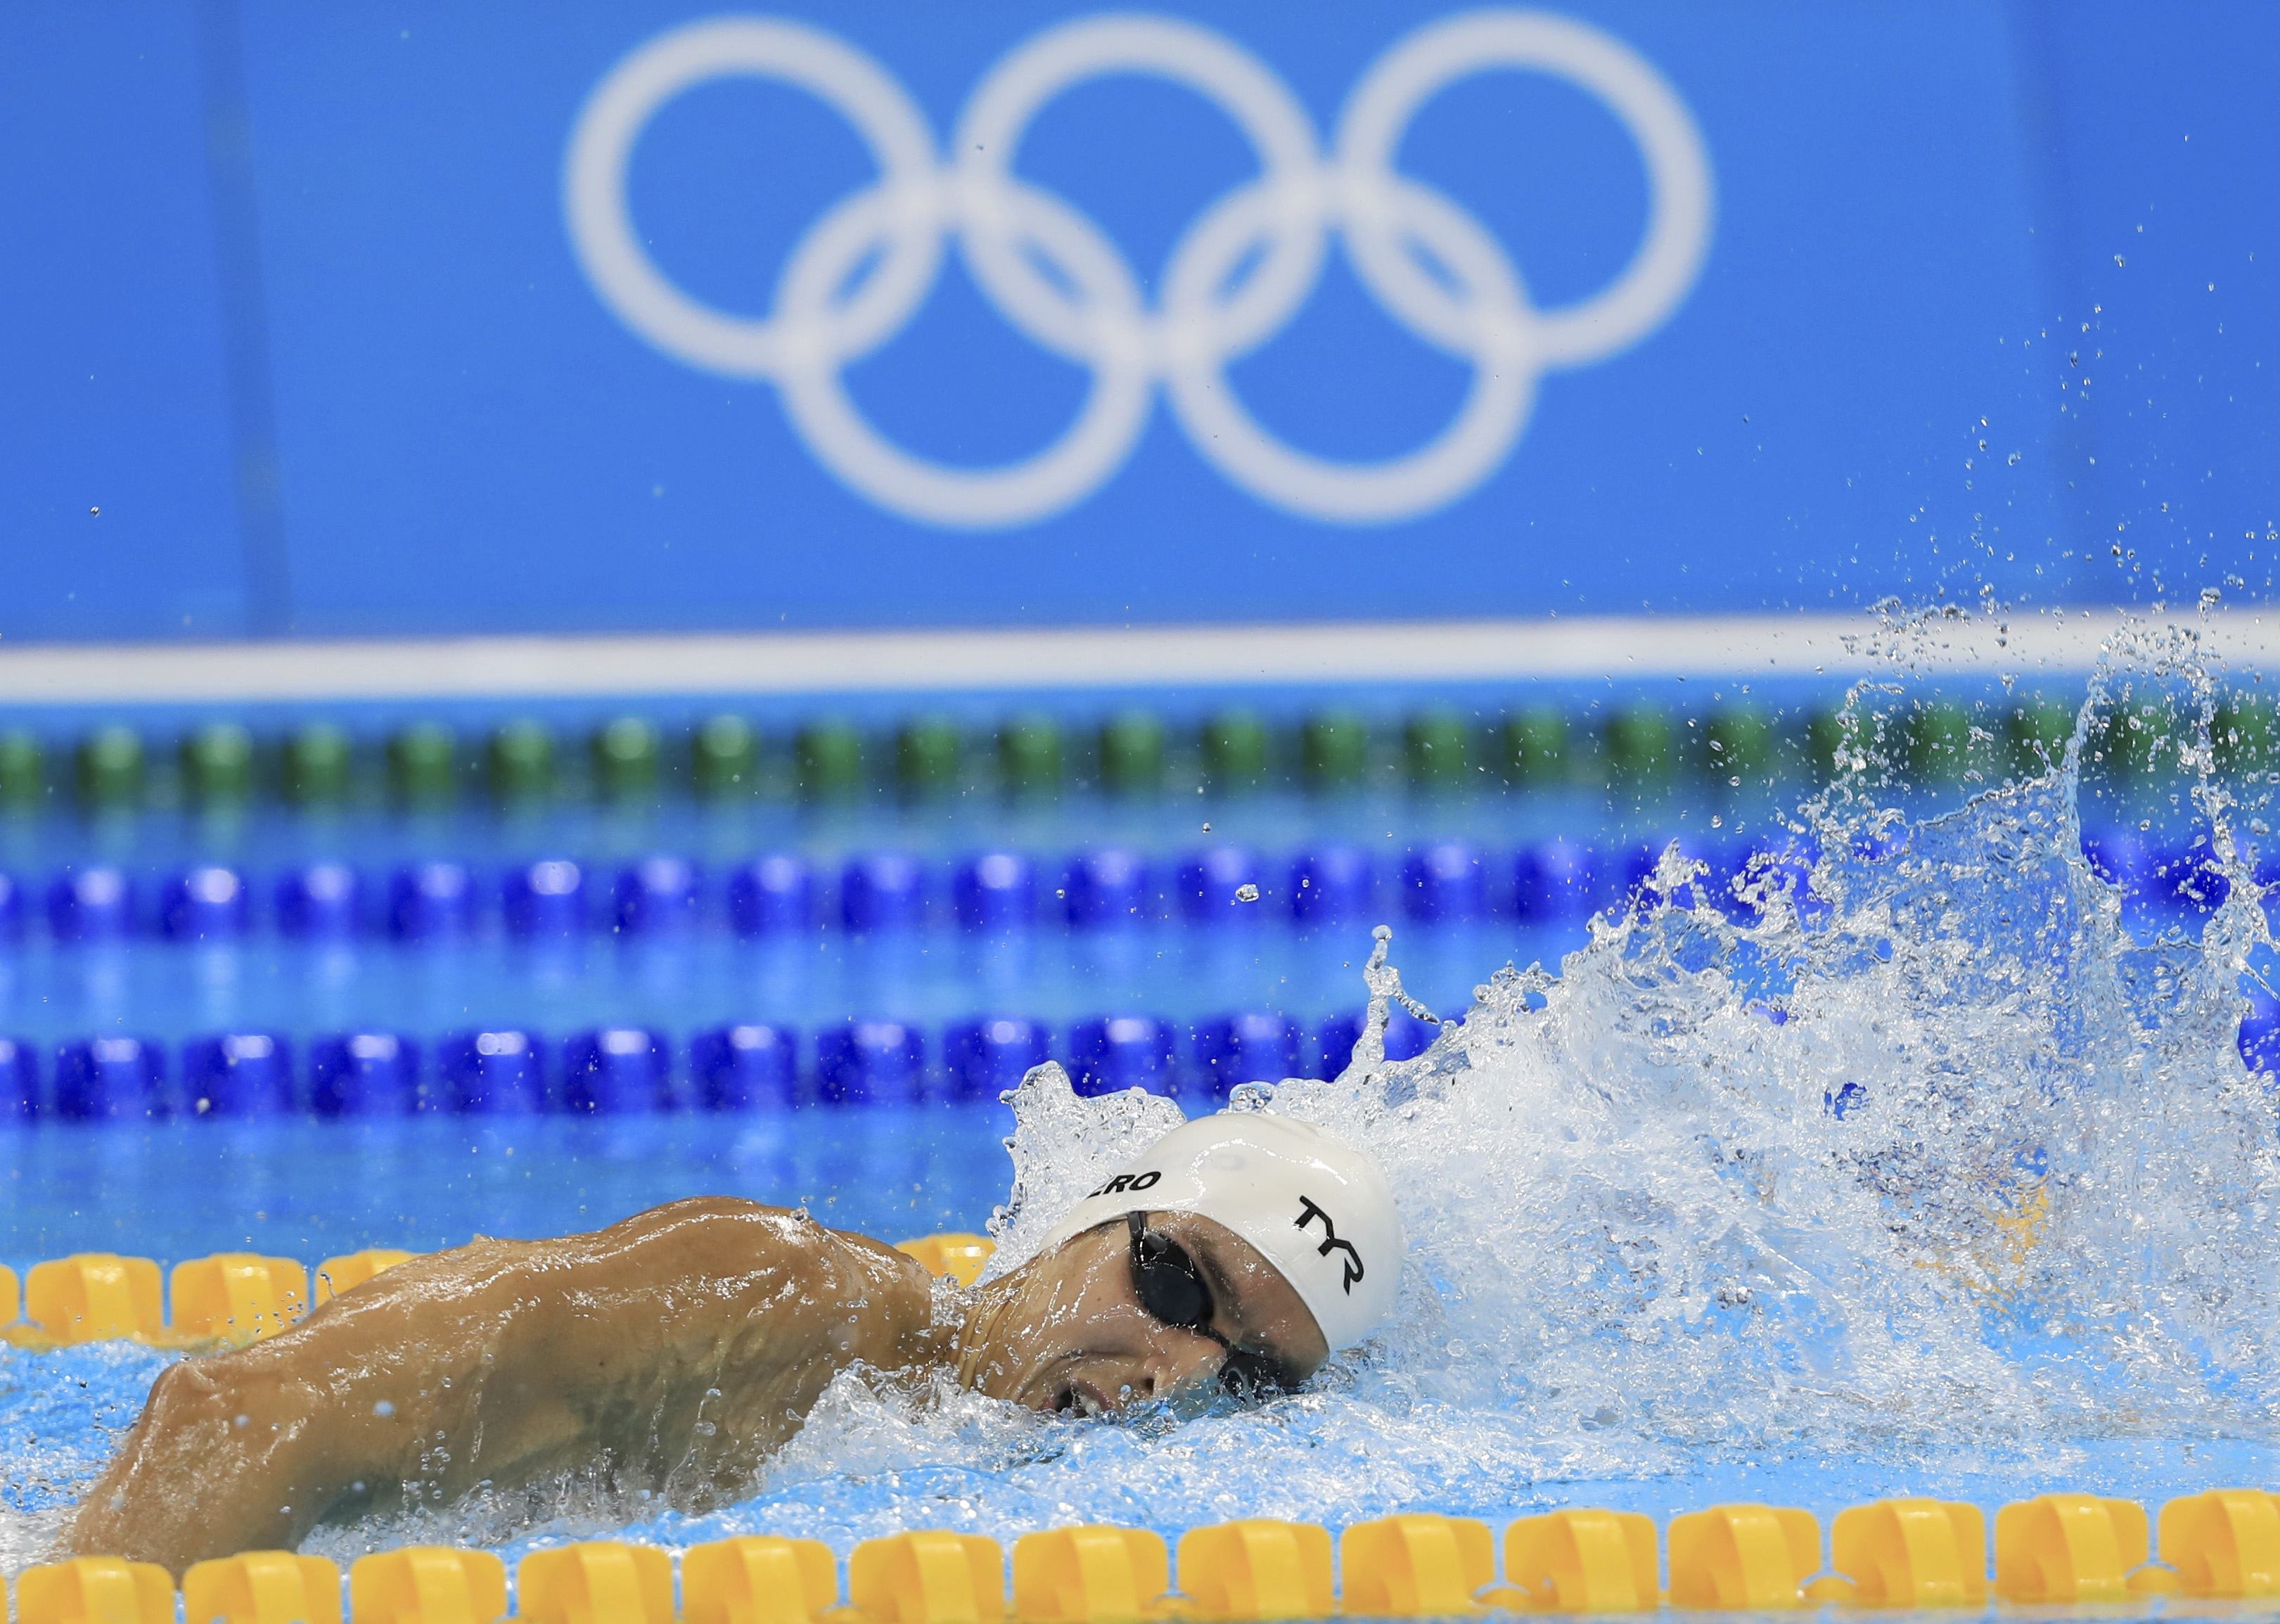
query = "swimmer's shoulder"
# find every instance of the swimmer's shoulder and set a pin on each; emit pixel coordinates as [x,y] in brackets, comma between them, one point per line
[734,1235]
[768,1259]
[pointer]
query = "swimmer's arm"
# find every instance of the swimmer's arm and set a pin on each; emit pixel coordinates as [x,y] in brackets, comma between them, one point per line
[501,1360]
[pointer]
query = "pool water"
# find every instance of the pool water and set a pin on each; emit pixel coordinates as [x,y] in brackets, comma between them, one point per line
[299,1188]
[1942,1173]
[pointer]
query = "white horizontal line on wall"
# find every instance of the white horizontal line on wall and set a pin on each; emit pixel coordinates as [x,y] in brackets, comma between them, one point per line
[2046,642]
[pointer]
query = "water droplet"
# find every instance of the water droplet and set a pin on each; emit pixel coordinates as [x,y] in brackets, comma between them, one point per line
[1246,893]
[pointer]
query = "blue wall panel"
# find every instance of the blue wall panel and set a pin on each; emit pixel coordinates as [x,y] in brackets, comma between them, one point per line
[113,391]
[1866,389]
[2163,149]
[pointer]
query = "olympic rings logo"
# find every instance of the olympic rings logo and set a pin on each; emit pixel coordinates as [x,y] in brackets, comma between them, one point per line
[1235,276]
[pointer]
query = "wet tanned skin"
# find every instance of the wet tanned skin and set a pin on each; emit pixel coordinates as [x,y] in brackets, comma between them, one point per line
[681,1346]
[1066,1332]
[505,1360]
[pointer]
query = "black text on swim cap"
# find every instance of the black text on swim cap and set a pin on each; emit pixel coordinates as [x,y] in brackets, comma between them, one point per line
[1307,1210]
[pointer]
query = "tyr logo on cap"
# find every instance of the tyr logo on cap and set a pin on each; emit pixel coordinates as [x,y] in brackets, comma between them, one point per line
[1307,1213]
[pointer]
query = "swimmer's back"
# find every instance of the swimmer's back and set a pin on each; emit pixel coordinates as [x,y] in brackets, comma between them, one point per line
[677,1347]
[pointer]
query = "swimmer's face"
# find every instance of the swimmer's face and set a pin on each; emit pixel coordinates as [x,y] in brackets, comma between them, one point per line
[1077,1337]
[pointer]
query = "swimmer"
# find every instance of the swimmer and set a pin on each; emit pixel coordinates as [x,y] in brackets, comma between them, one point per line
[675,1350]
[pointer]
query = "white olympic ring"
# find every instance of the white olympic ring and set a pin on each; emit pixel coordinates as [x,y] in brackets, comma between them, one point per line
[1462,295]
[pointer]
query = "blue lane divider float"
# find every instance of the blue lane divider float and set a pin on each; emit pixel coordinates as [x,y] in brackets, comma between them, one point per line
[868,1060]
[1111,1053]
[1108,886]
[543,899]
[323,901]
[631,1071]
[618,1071]
[93,903]
[739,1067]
[103,1078]
[206,904]
[1554,878]
[1405,1038]
[238,1075]
[19,1080]
[1447,880]
[986,1058]
[365,1074]
[771,895]
[997,891]
[748,1066]
[883,891]
[1331,886]
[2185,877]
[660,895]
[1233,1049]
[431,901]
[500,1072]
[1221,883]
[1335,885]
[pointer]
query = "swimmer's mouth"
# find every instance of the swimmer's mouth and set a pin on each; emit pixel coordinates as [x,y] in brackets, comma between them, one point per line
[1080,1398]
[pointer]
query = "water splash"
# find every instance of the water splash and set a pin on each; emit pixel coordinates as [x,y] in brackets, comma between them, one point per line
[1909,1162]
[1382,977]
[1913,1155]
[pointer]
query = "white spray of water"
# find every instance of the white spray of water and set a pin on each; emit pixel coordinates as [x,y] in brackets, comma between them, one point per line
[1922,1166]
[1928,1163]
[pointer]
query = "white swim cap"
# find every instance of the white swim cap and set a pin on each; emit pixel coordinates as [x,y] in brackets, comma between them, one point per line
[1316,1209]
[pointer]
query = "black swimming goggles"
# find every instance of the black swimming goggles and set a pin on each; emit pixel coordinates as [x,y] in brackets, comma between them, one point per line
[1172,1290]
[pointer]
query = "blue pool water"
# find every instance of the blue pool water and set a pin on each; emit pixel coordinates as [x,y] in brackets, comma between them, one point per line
[1944,1175]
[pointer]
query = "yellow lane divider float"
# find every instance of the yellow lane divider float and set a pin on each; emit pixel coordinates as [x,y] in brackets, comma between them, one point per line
[243,1297]
[958,1255]
[2059,1549]
[229,1297]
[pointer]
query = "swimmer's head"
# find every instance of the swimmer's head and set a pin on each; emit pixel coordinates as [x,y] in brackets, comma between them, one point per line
[1238,1248]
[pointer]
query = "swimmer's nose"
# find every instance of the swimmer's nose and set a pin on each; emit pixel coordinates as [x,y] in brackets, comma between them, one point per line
[1182,1362]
